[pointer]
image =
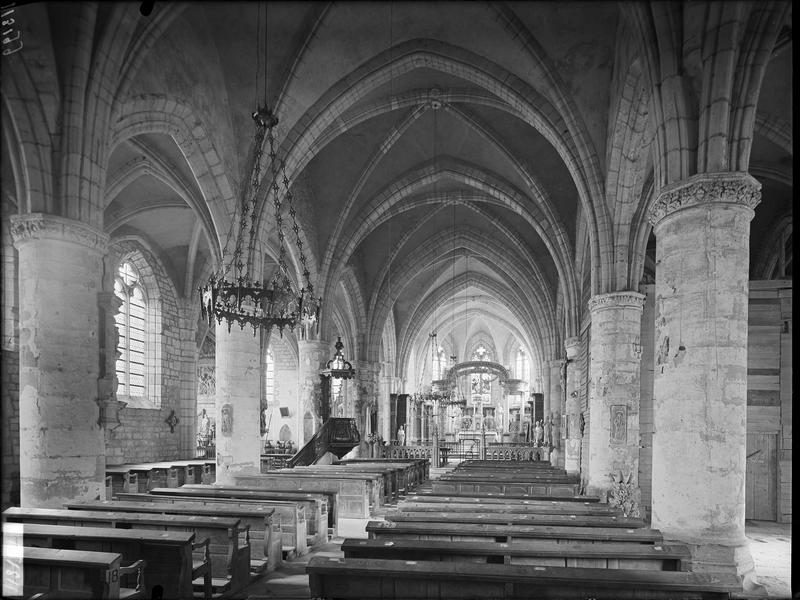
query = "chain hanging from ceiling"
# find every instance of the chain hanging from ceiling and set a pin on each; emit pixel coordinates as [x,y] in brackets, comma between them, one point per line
[244,299]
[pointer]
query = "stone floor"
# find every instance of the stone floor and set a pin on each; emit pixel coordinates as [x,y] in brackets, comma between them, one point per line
[770,545]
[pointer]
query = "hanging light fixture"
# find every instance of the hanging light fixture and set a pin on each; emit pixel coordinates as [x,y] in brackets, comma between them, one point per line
[337,367]
[243,299]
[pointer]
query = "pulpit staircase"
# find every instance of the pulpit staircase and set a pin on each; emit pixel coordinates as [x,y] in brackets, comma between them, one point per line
[337,436]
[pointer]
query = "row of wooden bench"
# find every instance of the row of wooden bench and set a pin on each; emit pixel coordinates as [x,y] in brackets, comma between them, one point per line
[243,531]
[448,541]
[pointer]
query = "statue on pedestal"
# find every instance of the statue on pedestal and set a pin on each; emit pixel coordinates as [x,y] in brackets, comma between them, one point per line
[538,433]
[401,436]
[548,431]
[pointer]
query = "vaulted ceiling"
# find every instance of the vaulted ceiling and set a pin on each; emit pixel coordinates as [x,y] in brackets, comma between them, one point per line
[431,149]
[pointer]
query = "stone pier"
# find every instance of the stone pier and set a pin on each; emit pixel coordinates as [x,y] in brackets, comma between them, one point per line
[557,408]
[614,374]
[572,450]
[312,357]
[62,447]
[238,406]
[702,228]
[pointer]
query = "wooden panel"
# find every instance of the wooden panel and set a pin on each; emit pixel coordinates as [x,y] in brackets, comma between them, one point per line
[761,478]
[763,419]
[770,284]
[763,398]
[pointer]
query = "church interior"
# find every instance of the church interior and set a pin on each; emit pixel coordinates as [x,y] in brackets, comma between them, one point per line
[400,299]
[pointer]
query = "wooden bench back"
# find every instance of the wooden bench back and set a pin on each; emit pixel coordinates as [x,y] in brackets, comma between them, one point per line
[380,579]
[563,519]
[508,533]
[65,573]
[168,554]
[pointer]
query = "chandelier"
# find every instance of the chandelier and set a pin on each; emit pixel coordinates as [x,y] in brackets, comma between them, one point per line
[240,299]
[337,367]
[233,293]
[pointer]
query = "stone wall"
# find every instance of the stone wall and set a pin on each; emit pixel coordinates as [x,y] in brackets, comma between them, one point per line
[143,434]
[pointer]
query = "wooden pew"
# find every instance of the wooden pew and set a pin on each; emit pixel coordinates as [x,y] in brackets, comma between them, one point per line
[409,472]
[277,535]
[260,519]
[544,488]
[311,510]
[378,579]
[546,553]
[493,505]
[519,534]
[71,574]
[420,466]
[356,495]
[387,479]
[566,520]
[422,492]
[122,480]
[230,558]
[168,554]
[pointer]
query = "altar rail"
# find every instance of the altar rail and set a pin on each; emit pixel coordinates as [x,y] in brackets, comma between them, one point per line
[405,452]
[464,451]
[513,452]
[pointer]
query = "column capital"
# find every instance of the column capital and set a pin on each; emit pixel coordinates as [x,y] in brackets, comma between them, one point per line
[624,299]
[555,363]
[736,187]
[571,345]
[40,226]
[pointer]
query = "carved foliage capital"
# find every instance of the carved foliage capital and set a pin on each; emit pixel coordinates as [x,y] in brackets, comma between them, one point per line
[616,300]
[40,226]
[706,188]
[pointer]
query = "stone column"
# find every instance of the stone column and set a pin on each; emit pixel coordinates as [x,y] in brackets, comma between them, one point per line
[702,229]
[238,406]
[547,401]
[384,404]
[557,407]
[572,450]
[614,374]
[555,389]
[62,448]
[312,356]
[367,390]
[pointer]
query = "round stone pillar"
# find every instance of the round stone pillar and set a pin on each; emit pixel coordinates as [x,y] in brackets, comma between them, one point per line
[702,229]
[384,404]
[312,357]
[62,448]
[572,451]
[557,408]
[544,388]
[614,373]
[238,405]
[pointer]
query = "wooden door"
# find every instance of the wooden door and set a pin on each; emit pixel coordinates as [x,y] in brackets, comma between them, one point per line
[762,475]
